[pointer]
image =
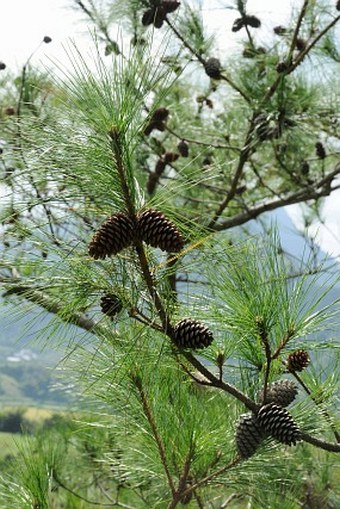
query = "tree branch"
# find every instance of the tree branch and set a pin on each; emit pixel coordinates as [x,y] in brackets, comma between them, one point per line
[327,446]
[47,302]
[149,415]
[304,194]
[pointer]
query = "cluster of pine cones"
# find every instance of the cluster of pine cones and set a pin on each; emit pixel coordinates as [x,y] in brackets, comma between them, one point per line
[119,231]
[272,419]
[153,228]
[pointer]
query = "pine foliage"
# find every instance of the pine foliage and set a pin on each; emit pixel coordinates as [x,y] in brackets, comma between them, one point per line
[126,177]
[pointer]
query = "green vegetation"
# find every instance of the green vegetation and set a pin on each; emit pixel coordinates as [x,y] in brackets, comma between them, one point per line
[127,176]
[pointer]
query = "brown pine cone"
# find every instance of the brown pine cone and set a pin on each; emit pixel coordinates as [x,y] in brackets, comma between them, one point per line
[189,333]
[183,148]
[160,115]
[237,25]
[298,361]
[249,435]
[320,150]
[158,231]
[115,234]
[252,21]
[212,68]
[111,304]
[282,392]
[280,30]
[170,6]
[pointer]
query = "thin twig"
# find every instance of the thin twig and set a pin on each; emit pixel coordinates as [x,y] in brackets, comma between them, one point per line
[297,28]
[303,194]
[216,382]
[265,341]
[203,61]
[81,497]
[322,444]
[323,411]
[293,65]
[210,477]
[47,302]
[303,53]
[157,436]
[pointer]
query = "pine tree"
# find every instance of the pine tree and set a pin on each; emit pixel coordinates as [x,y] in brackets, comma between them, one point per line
[125,180]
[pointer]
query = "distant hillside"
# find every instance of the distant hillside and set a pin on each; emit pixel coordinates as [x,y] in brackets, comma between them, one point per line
[27,365]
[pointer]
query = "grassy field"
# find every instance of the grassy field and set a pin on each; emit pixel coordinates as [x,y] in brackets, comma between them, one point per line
[9,443]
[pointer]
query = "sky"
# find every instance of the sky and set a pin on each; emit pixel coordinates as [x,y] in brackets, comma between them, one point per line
[26,22]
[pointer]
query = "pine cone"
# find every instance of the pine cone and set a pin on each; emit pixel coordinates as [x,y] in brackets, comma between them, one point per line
[170,6]
[170,157]
[249,435]
[212,68]
[111,304]
[159,126]
[160,115]
[304,168]
[278,423]
[280,30]
[298,361]
[193,334]
[338,5]
[237,25]
[320,150]
[281,67]
[160,16]
[113,236]
[300,44]
[148,16]
[183,148]
[155,229]
[252,21]
[281,393]
[152,182]
[160,167]
[155,15]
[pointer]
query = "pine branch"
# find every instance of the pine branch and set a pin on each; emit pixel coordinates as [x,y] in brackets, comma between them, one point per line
[149,415]
[293,65]
[324,412]
[308,48]
[297,28]
[210,477]
[302,195]
[48,303]
[225,77]
[81,497]
[321,444]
